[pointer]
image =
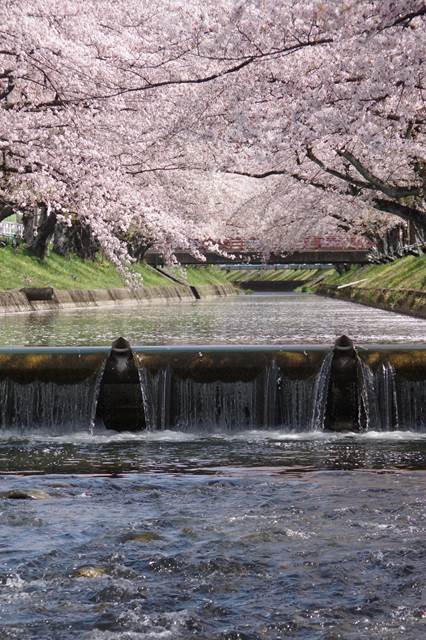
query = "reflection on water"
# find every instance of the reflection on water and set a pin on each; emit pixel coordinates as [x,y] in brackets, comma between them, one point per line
[260,319]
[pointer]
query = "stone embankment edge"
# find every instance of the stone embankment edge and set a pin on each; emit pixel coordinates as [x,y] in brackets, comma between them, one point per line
[15,301]
[411,302]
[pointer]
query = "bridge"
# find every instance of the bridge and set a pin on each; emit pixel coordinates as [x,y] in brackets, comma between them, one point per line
[320,256]
[312,250]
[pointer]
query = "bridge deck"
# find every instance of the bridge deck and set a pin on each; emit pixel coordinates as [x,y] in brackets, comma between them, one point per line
[320,256]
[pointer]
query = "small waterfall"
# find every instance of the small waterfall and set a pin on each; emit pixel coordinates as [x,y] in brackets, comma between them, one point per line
[411,402]
[95,397]
[368,404]
[387,397]
[218,405]
[48,406]
[377,401]
[320,393]
[272,384]
[296,404]
[171,402]
[156,393]
[268,401]
[390,402]
[147,398]
[295,390]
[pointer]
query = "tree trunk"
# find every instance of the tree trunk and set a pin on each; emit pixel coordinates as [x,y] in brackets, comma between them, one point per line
[84,244]
[61,241]
[77,239]
[28,220]
[45,230]
[417,234]
[137,247]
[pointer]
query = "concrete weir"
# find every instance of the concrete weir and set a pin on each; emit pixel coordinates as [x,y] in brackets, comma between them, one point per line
[206,388]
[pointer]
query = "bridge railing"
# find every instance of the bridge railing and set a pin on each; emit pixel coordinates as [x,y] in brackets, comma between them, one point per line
[335,242]
[311,243]
[11,230]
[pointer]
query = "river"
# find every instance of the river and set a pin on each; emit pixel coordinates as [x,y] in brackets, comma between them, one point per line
[256,319]
[243,535]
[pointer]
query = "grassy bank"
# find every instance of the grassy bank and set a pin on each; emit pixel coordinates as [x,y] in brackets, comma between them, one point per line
[274,275]
[20,270]
[406,273]
[17,269]
[199,275]
[398,286]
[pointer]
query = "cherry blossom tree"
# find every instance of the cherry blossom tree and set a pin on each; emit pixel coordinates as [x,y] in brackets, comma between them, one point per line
[128,118]
[79,116]
[346,117]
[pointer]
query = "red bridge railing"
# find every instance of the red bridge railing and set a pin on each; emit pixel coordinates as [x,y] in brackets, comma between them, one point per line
[328,242]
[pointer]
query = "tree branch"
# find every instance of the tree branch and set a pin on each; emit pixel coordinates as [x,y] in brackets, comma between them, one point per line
[376,183]
[337,174]
[214,76]
[260,176]
[406,213]
[279,172]
[408,17]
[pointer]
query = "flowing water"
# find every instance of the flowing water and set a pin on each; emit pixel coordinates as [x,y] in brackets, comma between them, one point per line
[268,400]
[231,533]
[258,319]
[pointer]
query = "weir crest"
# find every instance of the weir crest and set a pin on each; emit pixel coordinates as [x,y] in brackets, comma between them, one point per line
[212,389]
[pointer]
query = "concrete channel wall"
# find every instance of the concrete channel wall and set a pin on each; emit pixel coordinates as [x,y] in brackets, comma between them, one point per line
[408,301]
[22,301]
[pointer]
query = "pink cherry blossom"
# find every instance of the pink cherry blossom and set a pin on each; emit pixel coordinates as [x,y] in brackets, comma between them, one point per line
[189,121]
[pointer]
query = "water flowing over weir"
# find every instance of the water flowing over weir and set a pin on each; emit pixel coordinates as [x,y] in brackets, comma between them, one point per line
[50,390]
[392,391]
[268,400]
[293,388]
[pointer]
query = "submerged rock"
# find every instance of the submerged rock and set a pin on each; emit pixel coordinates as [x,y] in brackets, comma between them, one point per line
[26,494]
[90,571]
[145,536]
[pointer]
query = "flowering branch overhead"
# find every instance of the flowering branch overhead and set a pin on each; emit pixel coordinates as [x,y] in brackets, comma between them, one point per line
[198,120]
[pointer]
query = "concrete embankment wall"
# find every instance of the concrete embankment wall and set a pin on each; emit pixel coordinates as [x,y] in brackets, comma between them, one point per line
[214,290]
[408,301]
[17,301]
[270,285]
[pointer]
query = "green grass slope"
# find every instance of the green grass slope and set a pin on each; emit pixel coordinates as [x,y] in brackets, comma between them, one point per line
[21,270]
[406,273]
[205,275]
[197,275]
[272,275]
